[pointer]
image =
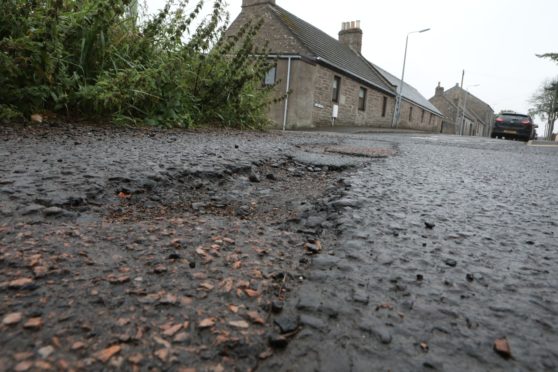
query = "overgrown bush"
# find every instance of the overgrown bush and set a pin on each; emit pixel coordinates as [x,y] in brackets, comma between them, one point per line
[93,58]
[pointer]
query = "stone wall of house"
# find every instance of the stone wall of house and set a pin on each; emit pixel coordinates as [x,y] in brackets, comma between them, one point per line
[415,117]
[300,100]
[280,39]
[480,114]
[448,125]
[349,114]
[310,102]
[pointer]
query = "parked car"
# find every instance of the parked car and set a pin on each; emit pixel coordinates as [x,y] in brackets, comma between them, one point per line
[514,126]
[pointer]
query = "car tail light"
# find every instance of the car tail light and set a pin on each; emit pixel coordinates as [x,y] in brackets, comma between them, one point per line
[526,121]
[499,120]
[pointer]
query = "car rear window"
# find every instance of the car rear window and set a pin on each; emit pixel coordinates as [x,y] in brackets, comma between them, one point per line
[509,117]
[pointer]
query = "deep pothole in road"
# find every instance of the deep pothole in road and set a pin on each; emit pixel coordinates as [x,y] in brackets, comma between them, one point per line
[274,192]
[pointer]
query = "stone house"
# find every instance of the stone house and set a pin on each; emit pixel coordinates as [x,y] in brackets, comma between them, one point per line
[329,77]
[479,116]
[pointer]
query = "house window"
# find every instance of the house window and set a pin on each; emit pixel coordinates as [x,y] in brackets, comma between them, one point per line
[384,107]
[422,116]
[410,114]
[430,121]
[362,99]
[271,76]
[336,89]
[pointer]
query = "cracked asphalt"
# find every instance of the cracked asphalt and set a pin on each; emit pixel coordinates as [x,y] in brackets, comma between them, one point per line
[171,250]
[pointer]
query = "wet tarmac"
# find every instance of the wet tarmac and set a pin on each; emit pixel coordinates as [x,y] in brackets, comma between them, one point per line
[442,250]
[170,250]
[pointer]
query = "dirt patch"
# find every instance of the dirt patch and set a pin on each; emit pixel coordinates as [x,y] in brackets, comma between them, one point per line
[187,272]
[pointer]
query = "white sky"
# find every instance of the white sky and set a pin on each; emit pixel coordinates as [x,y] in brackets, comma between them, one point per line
[494,41]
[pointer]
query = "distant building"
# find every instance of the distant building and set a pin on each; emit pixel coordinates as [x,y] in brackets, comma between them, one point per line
[479,116]
[327,76]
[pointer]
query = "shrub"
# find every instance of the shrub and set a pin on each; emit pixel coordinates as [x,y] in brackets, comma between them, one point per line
[94,58]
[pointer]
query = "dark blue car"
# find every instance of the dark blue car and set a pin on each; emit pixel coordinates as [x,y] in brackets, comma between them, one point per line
[513,126]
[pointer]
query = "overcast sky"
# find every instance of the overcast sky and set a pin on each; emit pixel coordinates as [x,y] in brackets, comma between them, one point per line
[494,41]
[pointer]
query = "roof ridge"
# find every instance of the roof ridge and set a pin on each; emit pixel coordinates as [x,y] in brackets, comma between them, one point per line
[308,23]
[377,69]
[288,27]
[291,21]
[460,109]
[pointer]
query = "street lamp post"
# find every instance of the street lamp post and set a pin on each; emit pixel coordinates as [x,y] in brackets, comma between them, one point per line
[397,111]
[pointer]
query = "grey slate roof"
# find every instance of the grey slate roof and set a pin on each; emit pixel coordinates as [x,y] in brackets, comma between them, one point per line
[409,93]
[330,51]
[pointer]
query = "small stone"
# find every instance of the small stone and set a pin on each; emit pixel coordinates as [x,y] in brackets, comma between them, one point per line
[162,354]
[420,277]
[117,362]
[287,323]
[313,247]
[361,297]
[207,323]
[106,354]
[33,323]
[239,324]
[160,269]
[265,354]
[277,306]
[242,211]
[470,277]
[168,299]
[31,209]
[450,262]
[135,359]
[46,351]
[23,366]
[173,330]
[12,318]
[254,177]
[41,365]
[53,211]
[124,338]
[118,279]
[19,283]
[198,206]
[181,337]
[271,177]
[278,341]
[384,336]
[78,345]
[502,347]
[429,225]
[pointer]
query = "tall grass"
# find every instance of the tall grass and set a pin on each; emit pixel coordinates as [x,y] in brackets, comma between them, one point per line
[93,58]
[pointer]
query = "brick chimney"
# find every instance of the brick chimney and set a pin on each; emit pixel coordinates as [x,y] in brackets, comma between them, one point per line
[246,3]
[351,35]
[439,90]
